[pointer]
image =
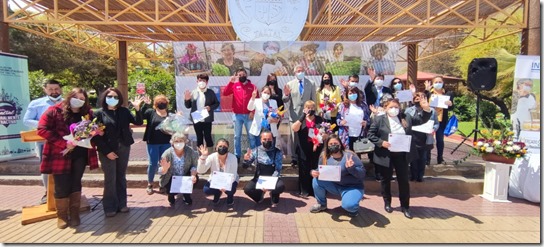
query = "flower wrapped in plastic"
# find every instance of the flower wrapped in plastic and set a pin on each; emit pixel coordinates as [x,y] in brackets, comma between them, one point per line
[82,132]
[172,124]
[274,116]
[327,106]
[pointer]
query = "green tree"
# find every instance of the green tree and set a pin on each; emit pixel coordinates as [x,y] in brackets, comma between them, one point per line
[35,83]
[157,80]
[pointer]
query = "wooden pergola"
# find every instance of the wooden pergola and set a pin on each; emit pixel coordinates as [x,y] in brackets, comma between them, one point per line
[111,26]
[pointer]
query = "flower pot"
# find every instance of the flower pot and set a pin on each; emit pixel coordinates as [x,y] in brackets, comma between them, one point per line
[498,158]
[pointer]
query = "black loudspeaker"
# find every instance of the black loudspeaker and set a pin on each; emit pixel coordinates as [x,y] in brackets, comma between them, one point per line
[482,74]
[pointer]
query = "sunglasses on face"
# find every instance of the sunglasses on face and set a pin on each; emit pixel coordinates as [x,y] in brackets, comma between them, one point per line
[112,97]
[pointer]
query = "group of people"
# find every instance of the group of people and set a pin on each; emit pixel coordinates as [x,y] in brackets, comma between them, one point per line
[348,111]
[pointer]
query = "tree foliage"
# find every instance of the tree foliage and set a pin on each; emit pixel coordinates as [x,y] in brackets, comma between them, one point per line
[157,80]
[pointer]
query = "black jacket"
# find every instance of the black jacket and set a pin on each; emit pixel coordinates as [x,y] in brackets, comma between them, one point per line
[211,101]
[117,130]
[372,93]
[379,132]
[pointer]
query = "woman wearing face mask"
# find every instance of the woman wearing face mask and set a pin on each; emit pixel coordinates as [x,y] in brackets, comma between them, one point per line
[114,147]
[307,150]
[202,98]
[275,91]
[353,105]
[178,160]
[350,187]
[328,98]
[380,129]
[375,89]
[266,116]
[220,161]
[441,113]
[157,141]
[67,169]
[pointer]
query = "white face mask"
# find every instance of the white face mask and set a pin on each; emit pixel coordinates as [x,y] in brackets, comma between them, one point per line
[438,85]
[270,52]
[300,75]
[393,112]
[527,89]
[179,145]
[265,96]
[76,103]
[202,84]
[55,99]
[378,83]
[353,84]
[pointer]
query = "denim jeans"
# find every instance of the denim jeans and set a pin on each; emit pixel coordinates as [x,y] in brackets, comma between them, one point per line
[239,121]
[210,191]
[154,152]
[39,151]
[115,179]
[351,196]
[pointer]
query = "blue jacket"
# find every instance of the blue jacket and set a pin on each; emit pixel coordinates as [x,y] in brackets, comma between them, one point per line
[352,176]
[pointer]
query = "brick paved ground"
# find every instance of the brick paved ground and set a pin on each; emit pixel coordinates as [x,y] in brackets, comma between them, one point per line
[437,219]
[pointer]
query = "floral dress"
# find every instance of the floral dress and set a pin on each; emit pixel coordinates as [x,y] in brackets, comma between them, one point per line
[343,131]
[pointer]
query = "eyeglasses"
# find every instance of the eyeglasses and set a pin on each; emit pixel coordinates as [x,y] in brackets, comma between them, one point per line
[112,97]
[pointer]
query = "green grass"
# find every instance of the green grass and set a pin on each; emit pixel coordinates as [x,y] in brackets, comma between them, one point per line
[465,128]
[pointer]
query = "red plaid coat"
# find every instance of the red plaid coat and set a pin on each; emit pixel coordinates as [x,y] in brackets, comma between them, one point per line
[52,128]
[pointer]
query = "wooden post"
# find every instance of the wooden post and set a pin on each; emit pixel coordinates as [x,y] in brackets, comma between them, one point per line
[122,70]
[4,31]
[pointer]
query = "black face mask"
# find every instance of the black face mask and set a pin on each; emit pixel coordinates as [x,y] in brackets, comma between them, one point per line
[267,144]
[222,150]
[327,82]
[161,106]
[311,112]
[272,83]
[243,79]
[417,104]
[334,148]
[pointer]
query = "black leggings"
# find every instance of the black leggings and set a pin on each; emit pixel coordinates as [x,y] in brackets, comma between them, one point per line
[66,184]
[203,132]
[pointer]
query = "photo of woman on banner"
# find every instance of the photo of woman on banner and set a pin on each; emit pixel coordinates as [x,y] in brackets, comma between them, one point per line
[191,61]
[524,104]
[269,61]
[378,61]
[227,61]
[310,61]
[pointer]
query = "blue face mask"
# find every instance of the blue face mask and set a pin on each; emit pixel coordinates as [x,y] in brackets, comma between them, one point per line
[352,97]
[438,85]
[398,87]
[112,101]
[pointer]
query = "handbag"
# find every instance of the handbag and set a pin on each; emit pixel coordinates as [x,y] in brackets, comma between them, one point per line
[363,145]
[452,126]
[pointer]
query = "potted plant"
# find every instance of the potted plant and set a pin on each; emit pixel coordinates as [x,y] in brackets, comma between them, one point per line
[498,145]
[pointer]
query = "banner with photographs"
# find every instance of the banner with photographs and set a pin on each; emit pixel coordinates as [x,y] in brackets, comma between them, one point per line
[220,60]
[14,98]
[525,174]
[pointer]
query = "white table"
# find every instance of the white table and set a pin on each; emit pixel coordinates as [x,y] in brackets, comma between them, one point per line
[496,180]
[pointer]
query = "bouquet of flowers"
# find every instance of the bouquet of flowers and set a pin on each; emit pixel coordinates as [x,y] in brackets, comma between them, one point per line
[272,113]
[499,141]
[82,132]
[327,106]
[172,124]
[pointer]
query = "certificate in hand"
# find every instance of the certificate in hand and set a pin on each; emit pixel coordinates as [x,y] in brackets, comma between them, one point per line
[399,142]
[404,96]
[439,101]
[329,173]
[426,128]
[199,116]
[266,182]
[182,184]
[221,180]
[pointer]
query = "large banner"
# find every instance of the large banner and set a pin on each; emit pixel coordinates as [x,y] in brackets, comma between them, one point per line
[525,175]
[220,60]
[14,97]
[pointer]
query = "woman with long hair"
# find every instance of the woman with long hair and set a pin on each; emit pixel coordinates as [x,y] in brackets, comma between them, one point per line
[354,104]
[67,169]
[114,147]
[328,99]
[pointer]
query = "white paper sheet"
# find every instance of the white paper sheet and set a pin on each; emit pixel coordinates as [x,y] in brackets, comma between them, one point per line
[266,182]
[426,128]
[181,184]
[86,143]
[199,116]
[439,101]
[405,96]
[355,118]
[221,180]
[399,142]
[329,173]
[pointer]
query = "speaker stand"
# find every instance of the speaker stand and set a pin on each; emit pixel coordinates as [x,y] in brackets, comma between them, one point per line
[475,131]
